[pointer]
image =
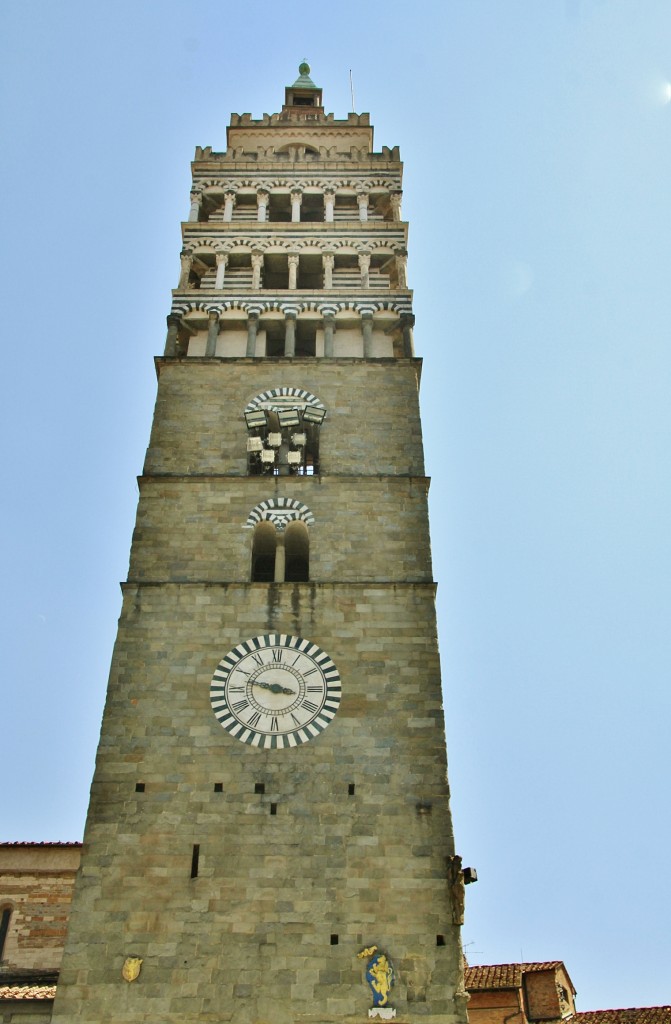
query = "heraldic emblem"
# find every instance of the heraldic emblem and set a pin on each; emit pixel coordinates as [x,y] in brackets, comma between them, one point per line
[380,978]
[131,968]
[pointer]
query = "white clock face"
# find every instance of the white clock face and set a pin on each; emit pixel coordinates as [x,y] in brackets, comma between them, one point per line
[275,691]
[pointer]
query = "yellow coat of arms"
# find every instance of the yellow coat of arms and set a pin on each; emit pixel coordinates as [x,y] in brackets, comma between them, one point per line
[131,968]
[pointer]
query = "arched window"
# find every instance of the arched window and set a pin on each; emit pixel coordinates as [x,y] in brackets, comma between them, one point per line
[263,553]
[5,917]
[297,552]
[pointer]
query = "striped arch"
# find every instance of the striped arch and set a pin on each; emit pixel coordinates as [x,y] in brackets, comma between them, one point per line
[279,511]
[283,398]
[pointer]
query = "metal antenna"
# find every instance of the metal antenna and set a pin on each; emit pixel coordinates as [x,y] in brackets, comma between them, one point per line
[351,88]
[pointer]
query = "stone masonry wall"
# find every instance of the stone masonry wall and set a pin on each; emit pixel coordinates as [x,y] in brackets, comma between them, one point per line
[250,939]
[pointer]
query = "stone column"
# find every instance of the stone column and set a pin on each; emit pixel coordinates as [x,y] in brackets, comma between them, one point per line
[196,200]
[362,200]
[212,333]
[229,203]
[186,261]
[328,260]
[280,558]
[252,328]
[290,335]
[329,332]
[407,324]
[367,331]
[173,321]
[262,199]
[395,203]
[364,267]
[222,263]
[296,200]
[257,264]
[401,260]
[329,204]
[293,269]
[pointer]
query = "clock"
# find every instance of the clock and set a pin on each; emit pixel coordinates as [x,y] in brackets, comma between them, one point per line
[275,691]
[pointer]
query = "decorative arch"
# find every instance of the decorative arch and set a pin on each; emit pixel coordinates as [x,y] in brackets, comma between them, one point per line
[280,512]
[282,398]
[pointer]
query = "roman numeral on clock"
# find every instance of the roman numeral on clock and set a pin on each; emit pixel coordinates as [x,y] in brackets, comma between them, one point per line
[254,719]
[239,706]
[309,706]
[277,655]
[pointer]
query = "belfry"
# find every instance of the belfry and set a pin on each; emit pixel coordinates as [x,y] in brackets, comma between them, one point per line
[269,836]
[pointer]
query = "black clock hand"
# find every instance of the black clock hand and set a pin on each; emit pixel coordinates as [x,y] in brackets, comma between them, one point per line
[273,687]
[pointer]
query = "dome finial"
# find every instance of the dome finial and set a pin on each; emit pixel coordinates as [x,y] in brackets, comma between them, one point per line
[304,67]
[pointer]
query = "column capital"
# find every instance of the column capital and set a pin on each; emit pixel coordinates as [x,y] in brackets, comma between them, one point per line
[407,319]
[252,316]
[256,256]
[221,257]
[196,194]
[213,314]
[173,319]
[367,314]
[290,314]
[293,258]
[262,191]
[297,193]
[328,256]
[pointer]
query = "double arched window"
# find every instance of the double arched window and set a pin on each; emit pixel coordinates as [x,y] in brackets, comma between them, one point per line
[281,555]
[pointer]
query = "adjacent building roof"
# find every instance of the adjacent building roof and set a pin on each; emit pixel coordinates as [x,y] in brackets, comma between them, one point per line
[491,976]
[633,1015]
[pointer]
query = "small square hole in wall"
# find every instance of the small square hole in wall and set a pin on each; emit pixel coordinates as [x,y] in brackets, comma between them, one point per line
[273,808]
[218,787]
[334,940]
[139,787]
[440,940]
[259,787]
[351,789]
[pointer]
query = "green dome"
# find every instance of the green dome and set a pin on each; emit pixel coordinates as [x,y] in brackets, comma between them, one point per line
[304,81]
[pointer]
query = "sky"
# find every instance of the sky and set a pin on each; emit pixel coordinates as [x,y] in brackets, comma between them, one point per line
[537,148]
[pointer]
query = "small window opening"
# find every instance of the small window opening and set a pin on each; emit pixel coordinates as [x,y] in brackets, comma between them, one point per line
[218,787]
[273,808]
[351,789]
[195,857]
[259,787]
[440,940]
[5,918]
[139,787]
[304,101]
[334,940]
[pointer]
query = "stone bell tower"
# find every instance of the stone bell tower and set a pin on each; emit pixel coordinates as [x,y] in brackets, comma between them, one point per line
[269,835]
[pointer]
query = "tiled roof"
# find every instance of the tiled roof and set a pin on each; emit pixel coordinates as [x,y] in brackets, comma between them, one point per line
[633,1015]
[488,976]
[45,843]
[27,991]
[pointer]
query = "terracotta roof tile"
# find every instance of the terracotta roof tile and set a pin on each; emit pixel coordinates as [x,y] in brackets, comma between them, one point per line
[633,1015]
[490,976]
[27,992]
[45,843]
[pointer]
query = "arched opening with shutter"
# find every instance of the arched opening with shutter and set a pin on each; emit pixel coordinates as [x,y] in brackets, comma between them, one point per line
[297,552]
[263,553]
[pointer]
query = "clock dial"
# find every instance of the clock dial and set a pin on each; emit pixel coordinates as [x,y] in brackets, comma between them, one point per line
[275,691]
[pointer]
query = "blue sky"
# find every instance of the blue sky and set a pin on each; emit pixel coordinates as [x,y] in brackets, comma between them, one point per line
[536,140]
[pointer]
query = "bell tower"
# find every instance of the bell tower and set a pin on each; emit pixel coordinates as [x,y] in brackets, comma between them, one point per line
[269,836]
